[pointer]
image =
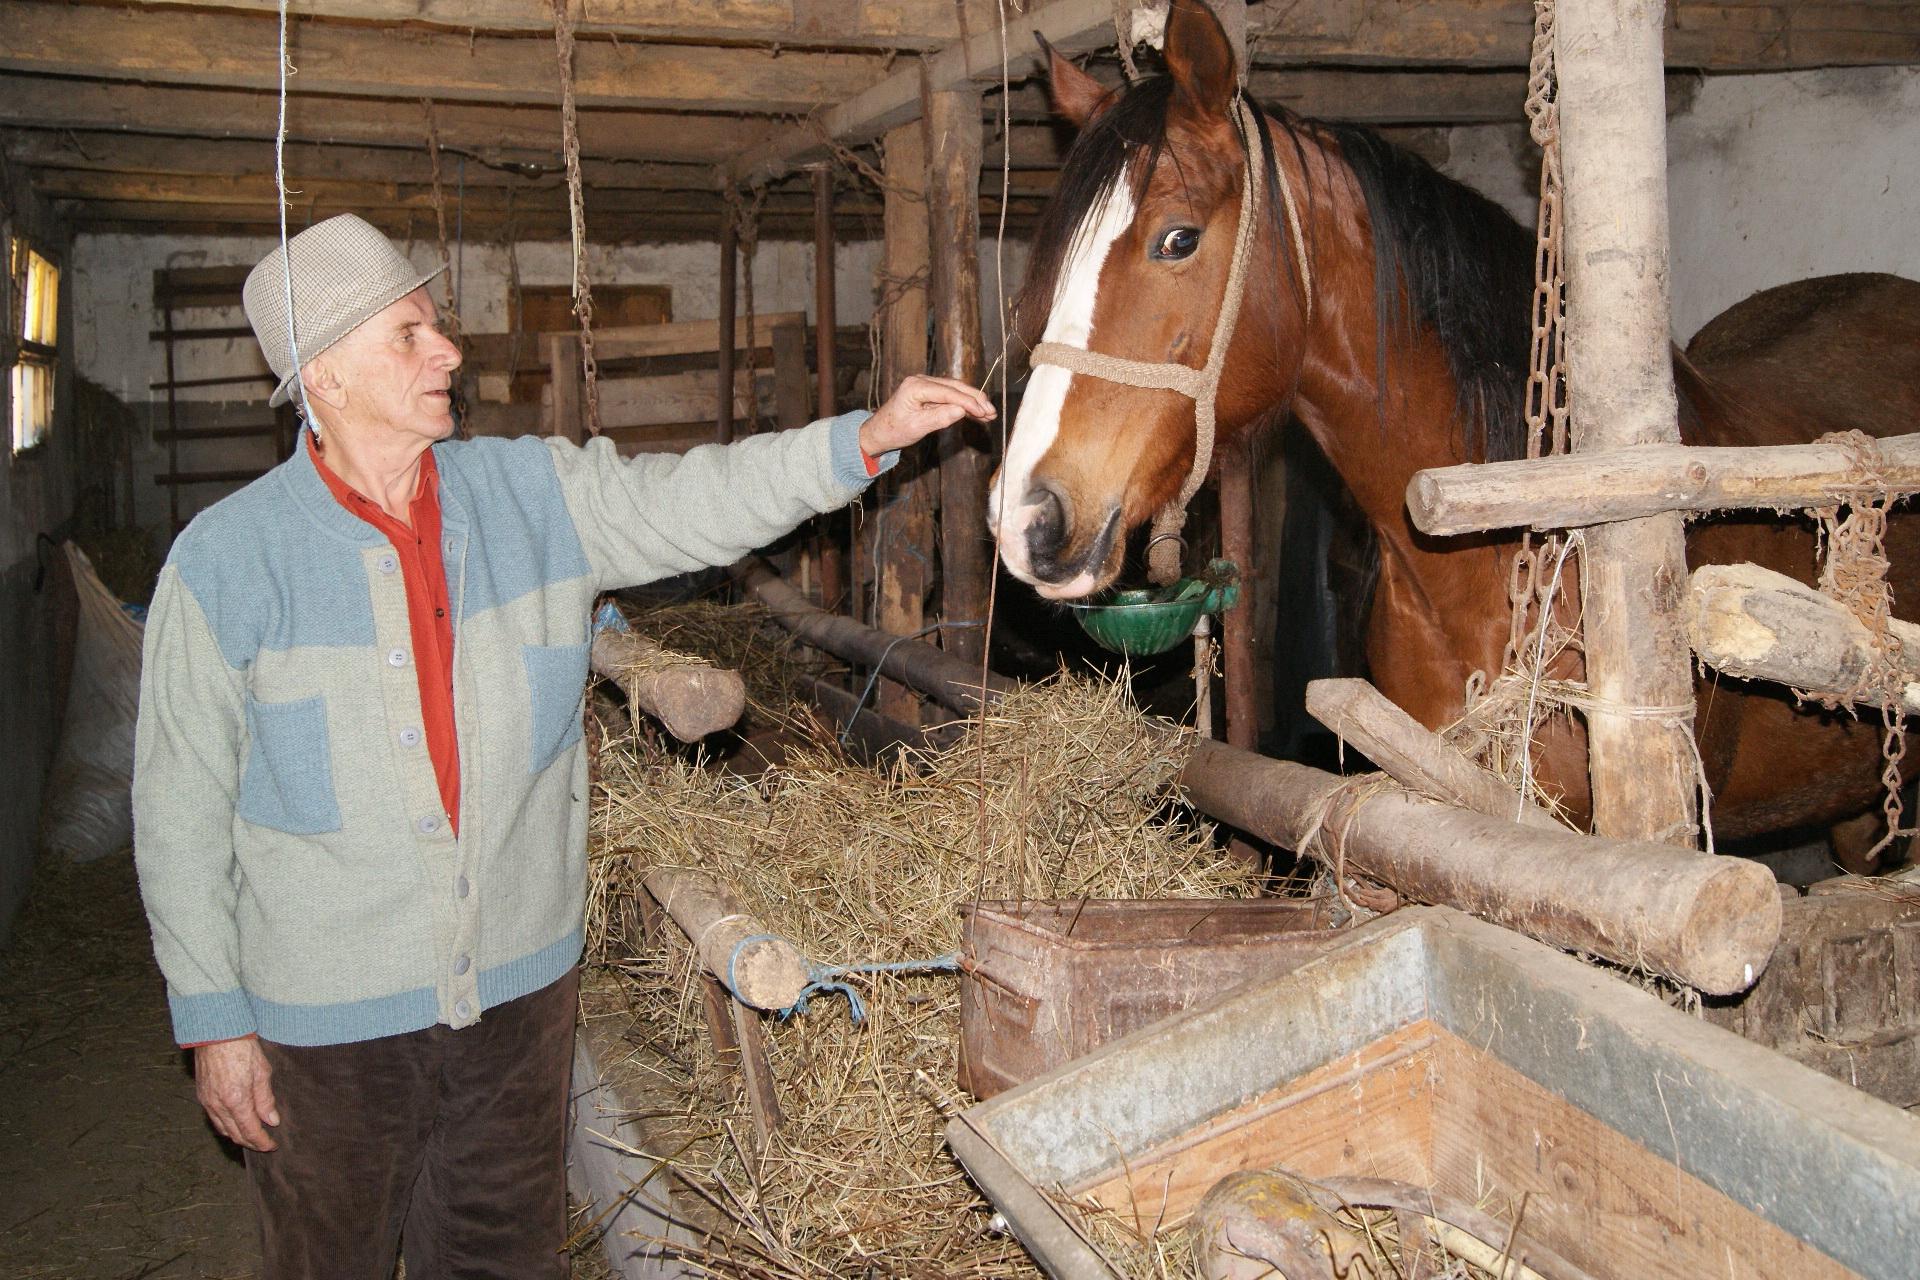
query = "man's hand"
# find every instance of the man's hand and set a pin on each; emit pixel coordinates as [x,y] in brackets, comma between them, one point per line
[235,1085]
[921,406]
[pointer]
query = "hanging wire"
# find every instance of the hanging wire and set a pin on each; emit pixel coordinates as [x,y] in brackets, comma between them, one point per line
[286,253]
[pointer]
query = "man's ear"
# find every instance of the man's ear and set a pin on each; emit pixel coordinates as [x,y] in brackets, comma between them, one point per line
[1076,95]
[323,382]
[1200,59]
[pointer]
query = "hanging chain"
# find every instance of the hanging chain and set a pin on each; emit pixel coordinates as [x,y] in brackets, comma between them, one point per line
[577,209]
[440,213]
[1529,591]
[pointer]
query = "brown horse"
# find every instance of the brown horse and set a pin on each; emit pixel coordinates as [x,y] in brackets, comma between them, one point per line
[1394,328]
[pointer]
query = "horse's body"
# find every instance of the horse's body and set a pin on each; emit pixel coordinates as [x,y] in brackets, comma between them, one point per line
[1409,352]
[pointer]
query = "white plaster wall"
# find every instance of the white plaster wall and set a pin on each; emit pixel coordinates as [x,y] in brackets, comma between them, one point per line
[1771,179]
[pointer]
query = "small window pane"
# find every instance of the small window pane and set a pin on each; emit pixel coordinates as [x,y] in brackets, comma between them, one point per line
[42,288]
[32,403]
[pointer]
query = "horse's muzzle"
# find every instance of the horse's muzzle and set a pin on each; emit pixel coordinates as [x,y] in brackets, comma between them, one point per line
[1039,547]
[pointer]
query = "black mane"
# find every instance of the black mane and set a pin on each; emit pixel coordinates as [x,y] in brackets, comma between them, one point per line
[1446,259]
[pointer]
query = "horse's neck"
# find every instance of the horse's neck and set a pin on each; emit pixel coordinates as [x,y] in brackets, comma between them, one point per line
[1438,594]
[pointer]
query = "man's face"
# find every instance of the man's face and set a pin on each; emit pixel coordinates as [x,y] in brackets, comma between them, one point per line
[397,370]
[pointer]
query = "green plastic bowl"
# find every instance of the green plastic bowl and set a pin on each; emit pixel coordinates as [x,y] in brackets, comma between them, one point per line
[1139,622]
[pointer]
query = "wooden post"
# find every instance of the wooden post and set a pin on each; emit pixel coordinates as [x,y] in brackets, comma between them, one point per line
[729,256]
[1236,629]
[903,561]
[834,574]
[953,213]
[1613,146]
[566,387]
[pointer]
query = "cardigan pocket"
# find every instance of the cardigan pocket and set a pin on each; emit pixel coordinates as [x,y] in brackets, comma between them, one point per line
[557,692]
[288,782]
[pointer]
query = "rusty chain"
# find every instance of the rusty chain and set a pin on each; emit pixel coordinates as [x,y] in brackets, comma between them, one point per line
[577,210]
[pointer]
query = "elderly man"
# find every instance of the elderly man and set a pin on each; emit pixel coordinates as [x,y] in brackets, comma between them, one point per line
[360,791]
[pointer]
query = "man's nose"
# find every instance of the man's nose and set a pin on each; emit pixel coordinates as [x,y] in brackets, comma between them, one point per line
[451,355]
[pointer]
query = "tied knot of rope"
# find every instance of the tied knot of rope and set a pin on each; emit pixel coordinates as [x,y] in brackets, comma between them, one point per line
[824,978]
[1201,385]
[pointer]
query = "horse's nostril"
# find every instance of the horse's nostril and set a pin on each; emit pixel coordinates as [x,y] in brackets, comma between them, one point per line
[1047,526]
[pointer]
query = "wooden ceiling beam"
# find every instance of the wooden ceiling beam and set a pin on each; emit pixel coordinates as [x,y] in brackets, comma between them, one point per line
[491,132]
[236,50]
[785,24]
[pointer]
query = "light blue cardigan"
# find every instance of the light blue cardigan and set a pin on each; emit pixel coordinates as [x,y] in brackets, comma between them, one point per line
[300,875]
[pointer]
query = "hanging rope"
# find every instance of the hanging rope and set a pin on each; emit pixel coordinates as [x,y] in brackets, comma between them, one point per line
[440,217]
[576,210]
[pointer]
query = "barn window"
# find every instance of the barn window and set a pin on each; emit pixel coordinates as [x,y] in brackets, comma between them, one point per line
[36,319]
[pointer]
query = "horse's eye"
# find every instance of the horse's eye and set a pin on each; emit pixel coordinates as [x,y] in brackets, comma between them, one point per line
[1177,244]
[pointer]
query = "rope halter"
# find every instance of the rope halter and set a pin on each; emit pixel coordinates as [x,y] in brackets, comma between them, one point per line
[1202,385]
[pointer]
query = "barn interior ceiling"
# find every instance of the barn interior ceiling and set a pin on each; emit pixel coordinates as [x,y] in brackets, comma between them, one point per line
[157,115]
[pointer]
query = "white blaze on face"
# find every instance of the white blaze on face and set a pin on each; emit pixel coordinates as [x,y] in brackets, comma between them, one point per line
[1071,324]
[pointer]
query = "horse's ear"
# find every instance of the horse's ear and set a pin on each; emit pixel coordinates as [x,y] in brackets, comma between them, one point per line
[1200,58]
[1076,95]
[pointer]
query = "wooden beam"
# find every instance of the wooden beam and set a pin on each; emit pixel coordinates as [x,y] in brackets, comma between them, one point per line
[102,152]
[1756,624]
[497,133]
[726,328]
[1625,484]
[1071,26]
[966,457]
[1613,146]
[903,560]
[181,46]
[787,24]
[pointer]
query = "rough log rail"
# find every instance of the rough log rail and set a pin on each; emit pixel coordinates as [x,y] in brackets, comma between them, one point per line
[1707,921]
[1580,489]
[1754,623]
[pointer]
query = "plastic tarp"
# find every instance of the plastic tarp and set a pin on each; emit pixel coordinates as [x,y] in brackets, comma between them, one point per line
[88,811]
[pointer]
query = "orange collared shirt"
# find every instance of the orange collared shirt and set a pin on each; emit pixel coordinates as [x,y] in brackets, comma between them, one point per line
[429,616]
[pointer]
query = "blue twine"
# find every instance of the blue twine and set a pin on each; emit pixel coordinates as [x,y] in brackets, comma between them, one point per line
[609,618]
[826,977]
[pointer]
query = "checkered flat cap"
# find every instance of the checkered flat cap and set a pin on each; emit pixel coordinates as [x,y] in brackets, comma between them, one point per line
[345,272]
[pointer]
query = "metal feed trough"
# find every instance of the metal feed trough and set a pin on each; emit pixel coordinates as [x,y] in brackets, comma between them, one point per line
[1439,1050]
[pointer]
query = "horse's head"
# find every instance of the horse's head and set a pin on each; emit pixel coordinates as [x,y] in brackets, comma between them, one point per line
[1132,260]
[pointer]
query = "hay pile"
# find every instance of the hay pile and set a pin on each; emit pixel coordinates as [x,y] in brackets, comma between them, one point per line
[1061,792]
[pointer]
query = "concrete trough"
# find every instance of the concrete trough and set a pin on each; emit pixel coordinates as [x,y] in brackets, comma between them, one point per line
[1439,1050]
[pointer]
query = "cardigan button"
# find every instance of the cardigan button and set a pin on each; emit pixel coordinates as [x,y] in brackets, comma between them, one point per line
[461,887]
[396,657]
[387,563]
[461,965]
[409,737]
[428,824]
[463,1011]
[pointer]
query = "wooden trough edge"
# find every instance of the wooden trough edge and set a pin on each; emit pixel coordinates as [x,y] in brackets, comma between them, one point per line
[1709,922]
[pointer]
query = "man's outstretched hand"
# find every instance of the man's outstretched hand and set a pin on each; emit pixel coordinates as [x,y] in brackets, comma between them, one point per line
[235,1085]
[921,406]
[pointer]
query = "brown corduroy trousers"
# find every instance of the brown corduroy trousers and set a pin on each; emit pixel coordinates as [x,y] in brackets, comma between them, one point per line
[449,1144]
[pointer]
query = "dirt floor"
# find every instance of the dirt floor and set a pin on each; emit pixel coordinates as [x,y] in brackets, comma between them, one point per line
[108,1170]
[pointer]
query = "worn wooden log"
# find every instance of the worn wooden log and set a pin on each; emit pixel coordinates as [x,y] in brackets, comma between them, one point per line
[1613,148]
[1256,1224]
[1585,488]
[691,698]
[1754,623]
[1710,922]
[1413,756]
[759,968]
[940,676]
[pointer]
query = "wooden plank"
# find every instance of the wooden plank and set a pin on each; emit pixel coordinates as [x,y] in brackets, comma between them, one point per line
[894,25]
[687,337]
[174,479]
[727,329]
[965,449]
[182,46]
[1591,1194]
[566,394]
[1371,1113]
[763,1101]
[247,431]
[498,133]
[902,569]
[401,163]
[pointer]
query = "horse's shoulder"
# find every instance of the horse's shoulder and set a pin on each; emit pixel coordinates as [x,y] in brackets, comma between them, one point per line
[1784,312]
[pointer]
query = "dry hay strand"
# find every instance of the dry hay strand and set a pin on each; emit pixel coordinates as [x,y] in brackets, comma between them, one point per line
[1063,790]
